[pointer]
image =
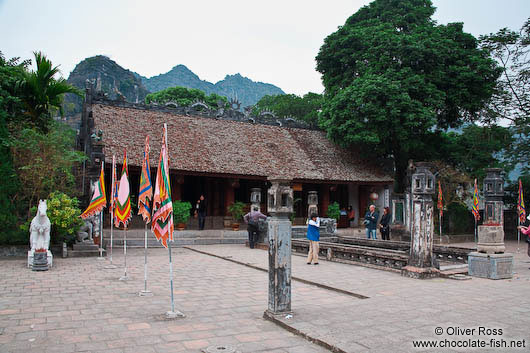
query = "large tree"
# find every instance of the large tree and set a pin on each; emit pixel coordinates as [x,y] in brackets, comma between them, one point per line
[394,79]
[290,105]
[511,100]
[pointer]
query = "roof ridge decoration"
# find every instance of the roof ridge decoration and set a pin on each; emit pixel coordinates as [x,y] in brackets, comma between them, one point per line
[200,109]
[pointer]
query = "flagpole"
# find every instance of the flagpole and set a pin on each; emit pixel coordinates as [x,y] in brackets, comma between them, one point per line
[145,292]
[112,191]
[475,230]
[440,214]
[101,236]
[124,277]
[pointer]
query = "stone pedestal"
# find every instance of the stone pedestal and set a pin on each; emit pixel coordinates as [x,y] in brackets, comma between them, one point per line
[279,231]
[492,266]
[491,239]
[49,257]
[419,272]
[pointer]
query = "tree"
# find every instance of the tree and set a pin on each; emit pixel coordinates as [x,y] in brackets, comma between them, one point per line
[40,92]
[290,105]
[511,100]
[394,80]
[44,162]
[185,96]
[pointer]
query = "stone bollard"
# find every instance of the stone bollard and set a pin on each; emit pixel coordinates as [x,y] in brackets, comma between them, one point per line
[490,261]
[280,206]
[421,263]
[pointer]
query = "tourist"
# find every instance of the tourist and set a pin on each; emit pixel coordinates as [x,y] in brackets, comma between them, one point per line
[351,216]
[370,219]
[313,234]
[252,220]
[200,210]
[385,224]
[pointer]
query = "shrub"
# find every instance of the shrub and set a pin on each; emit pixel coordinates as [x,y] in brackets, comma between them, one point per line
[181,211]
[334,211]
[236,210]
[64,217]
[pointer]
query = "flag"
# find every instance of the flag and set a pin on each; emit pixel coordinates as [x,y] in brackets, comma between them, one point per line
[146,188]
[162,222]
[99,199]
[520,204]
[114,190]
[440,201]
[123,200]
[475,203]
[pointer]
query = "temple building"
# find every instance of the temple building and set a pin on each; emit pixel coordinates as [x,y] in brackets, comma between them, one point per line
[224,153]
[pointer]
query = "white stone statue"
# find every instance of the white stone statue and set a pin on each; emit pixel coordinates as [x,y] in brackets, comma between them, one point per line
[40,228]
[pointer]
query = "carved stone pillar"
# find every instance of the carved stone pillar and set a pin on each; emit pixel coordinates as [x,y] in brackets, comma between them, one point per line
[280,206]
[255,198]
[421,260]
[312,202]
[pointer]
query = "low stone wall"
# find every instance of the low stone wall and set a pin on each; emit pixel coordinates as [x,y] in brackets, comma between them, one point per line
[13,250]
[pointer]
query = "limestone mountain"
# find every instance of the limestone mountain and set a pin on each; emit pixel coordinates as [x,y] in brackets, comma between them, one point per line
[245,90]
[110,77]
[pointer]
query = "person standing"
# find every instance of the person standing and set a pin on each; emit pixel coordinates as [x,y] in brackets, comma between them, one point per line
[351,216]
[252,220]
[370,219]
[200,209]
[385,224]
[313,234]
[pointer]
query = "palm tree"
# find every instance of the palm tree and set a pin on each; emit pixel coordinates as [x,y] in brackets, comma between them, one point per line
[40,92]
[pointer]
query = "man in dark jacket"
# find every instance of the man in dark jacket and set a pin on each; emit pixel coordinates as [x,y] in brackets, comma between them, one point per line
[201,211]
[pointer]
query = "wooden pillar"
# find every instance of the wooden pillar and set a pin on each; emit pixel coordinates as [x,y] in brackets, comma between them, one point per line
[178,180]
[229,197]
[216,198]
[324,192]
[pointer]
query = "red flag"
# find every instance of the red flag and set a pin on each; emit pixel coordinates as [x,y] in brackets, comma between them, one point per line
[520,204]
[440,201]
[123,201]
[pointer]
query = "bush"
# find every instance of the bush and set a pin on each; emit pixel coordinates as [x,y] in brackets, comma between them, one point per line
[181,211]
[236,210]
[64,217]
[334,211]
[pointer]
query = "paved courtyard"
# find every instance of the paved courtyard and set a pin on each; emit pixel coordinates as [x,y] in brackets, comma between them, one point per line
[80,306]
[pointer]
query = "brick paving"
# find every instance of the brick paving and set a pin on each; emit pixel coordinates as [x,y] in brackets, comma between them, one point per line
[399,309]
[79,306]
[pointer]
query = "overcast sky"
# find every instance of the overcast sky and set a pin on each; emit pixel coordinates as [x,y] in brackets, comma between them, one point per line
[270,41]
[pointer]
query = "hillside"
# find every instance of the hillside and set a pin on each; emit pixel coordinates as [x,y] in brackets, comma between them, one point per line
[247,91]
[111,77]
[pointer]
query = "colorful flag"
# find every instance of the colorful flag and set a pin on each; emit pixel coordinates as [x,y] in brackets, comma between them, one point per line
[162,222]
[440,201]
[99,199]
[146,187]
[123,200]
[520,204]
[475,203]
[114,190]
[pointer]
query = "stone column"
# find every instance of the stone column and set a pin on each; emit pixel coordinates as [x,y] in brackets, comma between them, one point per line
[312,202]
[280,206]
[421,261]
[255,198]
[490,261]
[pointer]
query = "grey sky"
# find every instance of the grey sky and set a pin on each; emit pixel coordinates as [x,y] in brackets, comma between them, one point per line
[270,41]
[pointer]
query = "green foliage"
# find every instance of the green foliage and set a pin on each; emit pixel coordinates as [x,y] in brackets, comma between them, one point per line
[511,100]
[394,78]
[44,162]
[458,219]
[334,211]
[185,97]
[181,211]
[301,108]
[236,210]
[40,92]
[64,217]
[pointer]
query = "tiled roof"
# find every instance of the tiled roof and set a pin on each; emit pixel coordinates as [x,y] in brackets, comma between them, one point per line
[208,145]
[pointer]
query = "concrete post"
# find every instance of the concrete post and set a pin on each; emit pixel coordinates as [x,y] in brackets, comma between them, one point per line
[280,206]
[421,261]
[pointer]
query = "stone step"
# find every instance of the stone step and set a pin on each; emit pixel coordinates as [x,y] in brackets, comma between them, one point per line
[85,246]
[153,243]
[84,253]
